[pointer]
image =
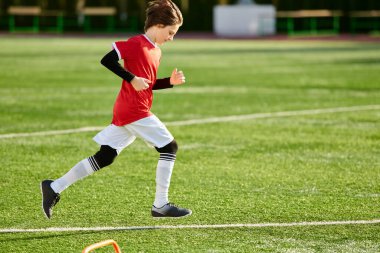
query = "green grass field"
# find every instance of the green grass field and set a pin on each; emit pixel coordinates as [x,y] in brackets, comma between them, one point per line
[316,167]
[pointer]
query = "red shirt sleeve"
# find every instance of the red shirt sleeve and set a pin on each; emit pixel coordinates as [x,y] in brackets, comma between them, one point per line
[125,49]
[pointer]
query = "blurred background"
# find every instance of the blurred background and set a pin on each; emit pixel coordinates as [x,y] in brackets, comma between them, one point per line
[62,16]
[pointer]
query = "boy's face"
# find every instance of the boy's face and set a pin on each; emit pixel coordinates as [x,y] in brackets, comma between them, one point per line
[165,33]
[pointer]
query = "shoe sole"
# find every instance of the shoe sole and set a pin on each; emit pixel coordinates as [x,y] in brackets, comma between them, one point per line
[170,217]
[42,203]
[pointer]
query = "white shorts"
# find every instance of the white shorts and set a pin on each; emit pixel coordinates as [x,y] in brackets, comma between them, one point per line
[150,129]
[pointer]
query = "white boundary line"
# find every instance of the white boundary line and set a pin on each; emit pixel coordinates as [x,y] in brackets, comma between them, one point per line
[54,132]
[216,226]
[209,120]
[273,115]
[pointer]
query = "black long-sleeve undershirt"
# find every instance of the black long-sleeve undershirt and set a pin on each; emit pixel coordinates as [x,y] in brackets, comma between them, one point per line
[111,62]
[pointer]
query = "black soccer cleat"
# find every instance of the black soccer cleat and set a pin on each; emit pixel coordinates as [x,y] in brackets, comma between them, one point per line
[170,210]
[49,198]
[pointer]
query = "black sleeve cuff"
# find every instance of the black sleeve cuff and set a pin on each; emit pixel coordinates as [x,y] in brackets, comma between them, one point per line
[163,83]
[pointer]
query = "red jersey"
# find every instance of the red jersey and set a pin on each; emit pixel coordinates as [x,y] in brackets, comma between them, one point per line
[141,58]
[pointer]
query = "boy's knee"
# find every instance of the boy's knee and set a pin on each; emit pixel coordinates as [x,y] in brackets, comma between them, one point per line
[172,147]
[105,156]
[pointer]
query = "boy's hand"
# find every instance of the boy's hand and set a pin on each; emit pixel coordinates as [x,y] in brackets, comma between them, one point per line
[140,83]
[177,77]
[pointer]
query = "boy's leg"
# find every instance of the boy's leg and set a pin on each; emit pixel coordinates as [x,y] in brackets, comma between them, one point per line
[112,139]
[104,157]
[161,206]
[155,133]
[51,189]
[164,171]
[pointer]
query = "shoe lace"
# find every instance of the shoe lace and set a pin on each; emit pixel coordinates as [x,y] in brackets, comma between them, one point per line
[56,200]
[172,204]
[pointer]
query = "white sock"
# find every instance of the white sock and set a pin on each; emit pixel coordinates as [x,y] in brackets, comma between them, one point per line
[163,174]
[81,170]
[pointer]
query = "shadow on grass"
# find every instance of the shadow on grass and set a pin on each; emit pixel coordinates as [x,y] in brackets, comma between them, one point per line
[362,61]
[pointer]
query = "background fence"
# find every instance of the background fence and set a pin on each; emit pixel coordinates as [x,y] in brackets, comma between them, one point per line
[128,15]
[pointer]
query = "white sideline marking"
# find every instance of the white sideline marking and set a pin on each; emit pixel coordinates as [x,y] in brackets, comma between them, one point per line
[208,120]
[53,132]
[272,115]
[258,225]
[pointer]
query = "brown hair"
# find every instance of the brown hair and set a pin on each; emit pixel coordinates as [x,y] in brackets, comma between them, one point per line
[162,12]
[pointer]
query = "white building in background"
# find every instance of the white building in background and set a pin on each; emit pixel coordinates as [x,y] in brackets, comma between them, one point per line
[245,19]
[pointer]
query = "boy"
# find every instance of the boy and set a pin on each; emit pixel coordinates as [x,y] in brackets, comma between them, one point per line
[131,114]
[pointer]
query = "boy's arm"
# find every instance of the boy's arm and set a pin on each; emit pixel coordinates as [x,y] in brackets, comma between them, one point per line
[176,78]
[111,62]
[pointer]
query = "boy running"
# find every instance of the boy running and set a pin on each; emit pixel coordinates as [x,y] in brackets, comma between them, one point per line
[131,114]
